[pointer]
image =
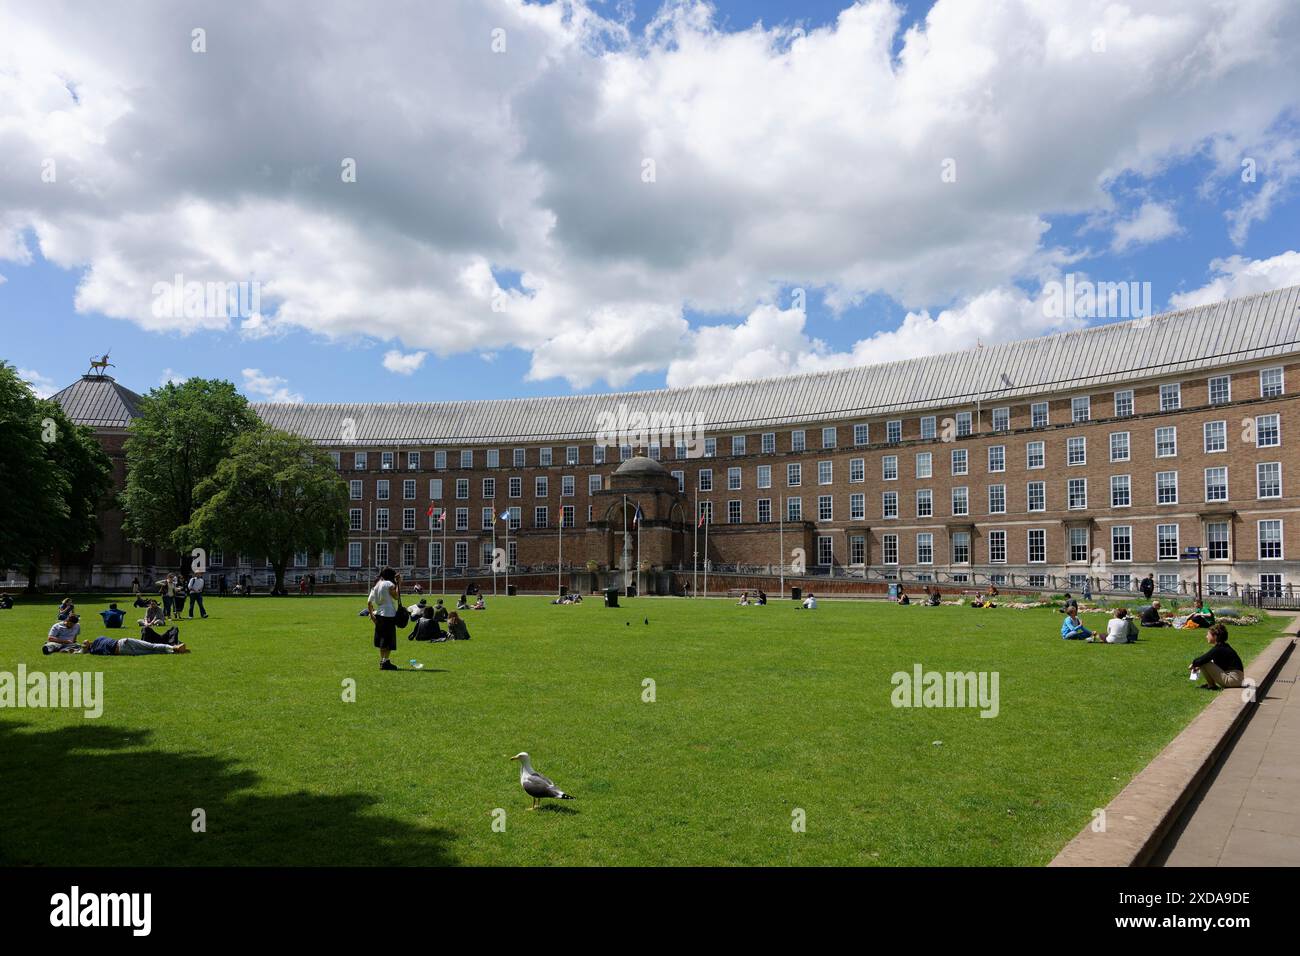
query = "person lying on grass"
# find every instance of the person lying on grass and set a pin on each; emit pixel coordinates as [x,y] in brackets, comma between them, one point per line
[1220,665]
[1072,628]
[129,647]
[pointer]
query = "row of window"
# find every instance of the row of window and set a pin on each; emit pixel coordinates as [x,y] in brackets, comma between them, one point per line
[959,425]
[1217,546]
[1267,434]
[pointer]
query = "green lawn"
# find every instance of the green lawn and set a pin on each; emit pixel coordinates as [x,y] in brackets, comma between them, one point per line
[759,712]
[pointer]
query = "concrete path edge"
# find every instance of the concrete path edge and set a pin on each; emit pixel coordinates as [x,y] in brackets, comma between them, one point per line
[1140,816]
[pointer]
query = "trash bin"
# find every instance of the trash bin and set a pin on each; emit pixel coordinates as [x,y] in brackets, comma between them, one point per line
[796,594]
[510,590]
[563,590]
[631,590]
[611,597]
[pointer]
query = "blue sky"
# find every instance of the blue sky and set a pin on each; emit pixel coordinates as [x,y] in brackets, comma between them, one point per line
[779,167]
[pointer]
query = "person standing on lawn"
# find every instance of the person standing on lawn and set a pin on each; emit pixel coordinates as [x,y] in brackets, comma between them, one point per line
[383,601]
[195,587]
[1147,586]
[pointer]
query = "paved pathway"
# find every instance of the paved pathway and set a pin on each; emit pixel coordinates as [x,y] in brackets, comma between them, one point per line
[1247,813]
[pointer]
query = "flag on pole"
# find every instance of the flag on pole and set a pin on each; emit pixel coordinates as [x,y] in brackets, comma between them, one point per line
[505,515]
[437,514]
[636,518]
[703,513]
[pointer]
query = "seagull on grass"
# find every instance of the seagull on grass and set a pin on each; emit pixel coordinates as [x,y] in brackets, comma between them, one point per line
[535,785]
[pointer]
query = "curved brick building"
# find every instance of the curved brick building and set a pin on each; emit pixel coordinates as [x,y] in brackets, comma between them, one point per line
[1102,454]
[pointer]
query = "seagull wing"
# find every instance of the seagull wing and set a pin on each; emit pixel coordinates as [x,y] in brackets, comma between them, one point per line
[535,785]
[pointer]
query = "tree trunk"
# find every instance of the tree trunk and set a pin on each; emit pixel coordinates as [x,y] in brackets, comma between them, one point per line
[278,590]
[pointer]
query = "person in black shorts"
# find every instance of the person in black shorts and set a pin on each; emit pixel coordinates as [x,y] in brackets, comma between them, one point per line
[383,601]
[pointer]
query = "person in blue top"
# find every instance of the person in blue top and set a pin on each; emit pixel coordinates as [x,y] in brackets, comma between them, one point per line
[129,647]
[113,616]
[1072,628]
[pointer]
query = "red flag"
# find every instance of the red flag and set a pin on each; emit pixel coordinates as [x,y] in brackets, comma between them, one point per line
[700,523]
[430,511]
[442,513]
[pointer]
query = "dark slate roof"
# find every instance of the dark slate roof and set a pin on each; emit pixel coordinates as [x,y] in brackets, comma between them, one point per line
[98,401]
[1262,326]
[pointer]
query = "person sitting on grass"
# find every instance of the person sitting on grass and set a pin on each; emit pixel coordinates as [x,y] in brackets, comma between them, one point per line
[1120,629]
[1072,628]
[810,602]
[153,615]
[462,604]
[66,609]
[762,597]
[113,616]
[417,609]
[744,599]
[63,635]
[1220,665]
[439,611]
[903,598]
[129,647]
[1151,616]
[6,602]
[935,598]
[456,629]
[480,604]
[1202,617]
[426,628]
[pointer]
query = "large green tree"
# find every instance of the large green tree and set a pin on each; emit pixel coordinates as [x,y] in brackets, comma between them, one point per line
[54,476]
[183,432]
[274,494]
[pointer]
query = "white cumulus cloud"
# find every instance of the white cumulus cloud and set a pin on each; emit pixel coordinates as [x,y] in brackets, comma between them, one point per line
[272,388]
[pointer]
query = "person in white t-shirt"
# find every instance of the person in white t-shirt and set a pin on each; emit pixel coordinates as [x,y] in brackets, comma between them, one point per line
[382,603]
[810,602]
[195,587]
[1120,629]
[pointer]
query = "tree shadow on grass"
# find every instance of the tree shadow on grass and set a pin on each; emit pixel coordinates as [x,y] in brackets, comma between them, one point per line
[87,796]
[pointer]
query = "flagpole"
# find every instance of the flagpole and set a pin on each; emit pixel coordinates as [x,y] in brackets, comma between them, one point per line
[442,520]
[638,550]
[429,515]
[559,561]
[695,551]
[707,521]
[625,568]
[507,550]
[494,552]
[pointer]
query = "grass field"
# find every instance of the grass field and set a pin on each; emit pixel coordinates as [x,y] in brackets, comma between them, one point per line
[758,712]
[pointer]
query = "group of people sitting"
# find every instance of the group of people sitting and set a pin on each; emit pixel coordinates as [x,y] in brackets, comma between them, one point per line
[6,602]
[1220,666]
[568,597]
[462,603]
[1120,629]
[932,597]
[64,634]
[428,619]
[760,598]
